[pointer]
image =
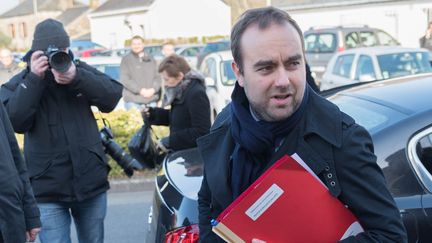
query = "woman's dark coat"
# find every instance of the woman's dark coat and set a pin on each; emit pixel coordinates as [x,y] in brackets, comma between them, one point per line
[189,117]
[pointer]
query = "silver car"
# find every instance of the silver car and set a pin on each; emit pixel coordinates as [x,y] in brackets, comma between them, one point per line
[374,63]
[322,43]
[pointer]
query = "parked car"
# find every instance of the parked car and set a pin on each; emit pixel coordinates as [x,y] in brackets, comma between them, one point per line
[109,66]
[322,43]
[374,63]
[190,53]
[120,52]
[77,46]
[220,79]
[401,129]
[211,47]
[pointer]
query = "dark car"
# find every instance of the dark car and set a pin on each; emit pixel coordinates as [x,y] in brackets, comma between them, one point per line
[322,43]
[397,113]
[211,47]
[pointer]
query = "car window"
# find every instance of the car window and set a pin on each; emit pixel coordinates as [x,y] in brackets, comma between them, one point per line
[370,115]
[227,74]
[365,70]
[209,69]
[352,40]
[406,63]
[320,42]
[368,38]
[385,39]
[424,151]
[343,65]
[112,70]
[190,52]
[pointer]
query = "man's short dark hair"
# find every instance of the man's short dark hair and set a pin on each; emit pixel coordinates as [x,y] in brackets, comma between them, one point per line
[137,37]
[263,17]
[173,65]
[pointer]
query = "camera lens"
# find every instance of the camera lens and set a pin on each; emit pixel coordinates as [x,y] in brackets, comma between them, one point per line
[60,61]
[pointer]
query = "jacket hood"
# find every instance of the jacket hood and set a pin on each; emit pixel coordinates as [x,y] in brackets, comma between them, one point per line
[192,74]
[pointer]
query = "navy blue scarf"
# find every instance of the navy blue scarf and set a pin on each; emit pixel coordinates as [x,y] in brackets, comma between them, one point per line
[255,141]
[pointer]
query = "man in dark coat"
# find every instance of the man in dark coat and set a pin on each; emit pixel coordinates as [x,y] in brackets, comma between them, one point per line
[19,215]
[274,113]
[63,149]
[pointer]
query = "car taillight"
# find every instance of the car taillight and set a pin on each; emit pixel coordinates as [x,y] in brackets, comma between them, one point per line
[188,234]
[341,48]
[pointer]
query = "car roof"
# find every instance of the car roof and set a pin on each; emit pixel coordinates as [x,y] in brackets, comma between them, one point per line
[405,94]
[381,50]
[98,60]
[224,55]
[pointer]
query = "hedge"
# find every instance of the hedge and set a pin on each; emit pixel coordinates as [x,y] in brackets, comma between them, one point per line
[123,124]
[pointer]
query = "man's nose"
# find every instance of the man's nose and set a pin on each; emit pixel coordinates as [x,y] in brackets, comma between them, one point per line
[283,77]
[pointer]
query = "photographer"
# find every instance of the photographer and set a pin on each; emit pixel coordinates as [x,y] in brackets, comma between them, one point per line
[50,103]
[189,116]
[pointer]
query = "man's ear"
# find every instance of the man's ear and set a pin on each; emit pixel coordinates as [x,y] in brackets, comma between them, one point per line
[237,73]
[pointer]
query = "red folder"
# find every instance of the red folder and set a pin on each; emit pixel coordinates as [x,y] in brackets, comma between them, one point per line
[288,203]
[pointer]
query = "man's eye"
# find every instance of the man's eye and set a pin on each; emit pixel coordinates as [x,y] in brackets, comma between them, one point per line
[265,69]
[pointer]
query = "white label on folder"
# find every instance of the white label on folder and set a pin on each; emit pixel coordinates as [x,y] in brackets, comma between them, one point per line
[264,202]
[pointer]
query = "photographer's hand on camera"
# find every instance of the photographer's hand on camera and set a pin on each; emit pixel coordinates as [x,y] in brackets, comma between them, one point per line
[66,77]
[39,63]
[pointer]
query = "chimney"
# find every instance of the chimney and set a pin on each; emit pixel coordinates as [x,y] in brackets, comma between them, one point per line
[94,4]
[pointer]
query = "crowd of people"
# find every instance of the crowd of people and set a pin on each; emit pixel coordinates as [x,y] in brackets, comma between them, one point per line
[274,111]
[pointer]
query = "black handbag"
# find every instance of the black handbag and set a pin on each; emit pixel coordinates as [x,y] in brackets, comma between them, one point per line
[142,147]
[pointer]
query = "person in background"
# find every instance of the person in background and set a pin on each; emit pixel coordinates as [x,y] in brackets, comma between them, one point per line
[426,40]
[8,68]
[168,49]
[274,113]
[138,74]
[63,150]
[19,216]
[189,116]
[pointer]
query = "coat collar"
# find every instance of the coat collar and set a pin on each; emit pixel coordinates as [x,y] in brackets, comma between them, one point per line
[322,118]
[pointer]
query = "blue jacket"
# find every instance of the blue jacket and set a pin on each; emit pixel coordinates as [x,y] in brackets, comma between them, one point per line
[340,153]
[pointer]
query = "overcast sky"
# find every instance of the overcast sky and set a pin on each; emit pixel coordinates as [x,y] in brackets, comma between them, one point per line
[9,4]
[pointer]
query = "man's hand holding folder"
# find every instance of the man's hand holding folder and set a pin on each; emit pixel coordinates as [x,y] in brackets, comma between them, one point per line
[288,203]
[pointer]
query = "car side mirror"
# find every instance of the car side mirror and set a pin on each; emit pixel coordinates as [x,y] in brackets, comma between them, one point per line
[210,82]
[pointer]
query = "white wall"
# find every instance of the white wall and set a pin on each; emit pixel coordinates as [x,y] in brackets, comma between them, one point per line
[406,22]
[187,18]
[111,31]
[164,19]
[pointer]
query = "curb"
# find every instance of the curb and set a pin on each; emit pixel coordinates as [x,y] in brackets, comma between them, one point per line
[132,185]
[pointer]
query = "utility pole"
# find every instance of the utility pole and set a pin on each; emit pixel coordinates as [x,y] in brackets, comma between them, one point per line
[35,7]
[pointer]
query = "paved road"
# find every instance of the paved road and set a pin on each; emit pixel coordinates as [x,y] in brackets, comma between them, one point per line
[126,220]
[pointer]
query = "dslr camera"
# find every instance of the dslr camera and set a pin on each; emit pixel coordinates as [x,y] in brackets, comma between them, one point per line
[58,59]
[123,159]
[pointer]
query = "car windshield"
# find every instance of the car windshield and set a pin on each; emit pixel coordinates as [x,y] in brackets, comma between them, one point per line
[321,42]
[406,63]
[370,115]
[227,74]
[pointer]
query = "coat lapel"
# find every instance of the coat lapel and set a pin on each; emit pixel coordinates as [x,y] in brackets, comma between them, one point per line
[216,163]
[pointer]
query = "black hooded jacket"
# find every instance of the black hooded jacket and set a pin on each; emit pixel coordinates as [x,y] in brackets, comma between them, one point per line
[62,145]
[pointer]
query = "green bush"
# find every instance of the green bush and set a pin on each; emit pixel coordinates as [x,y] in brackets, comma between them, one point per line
[123,124]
